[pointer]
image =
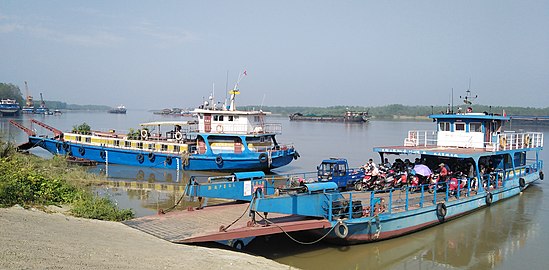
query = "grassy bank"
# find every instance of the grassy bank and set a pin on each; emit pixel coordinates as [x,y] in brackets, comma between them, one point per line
[31,181]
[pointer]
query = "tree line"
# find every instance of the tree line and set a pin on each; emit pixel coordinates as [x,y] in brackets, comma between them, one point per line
[392,110]
[11,91]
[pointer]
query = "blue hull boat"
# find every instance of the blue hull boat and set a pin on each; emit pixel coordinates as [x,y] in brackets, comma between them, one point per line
[223,139]
[488,165]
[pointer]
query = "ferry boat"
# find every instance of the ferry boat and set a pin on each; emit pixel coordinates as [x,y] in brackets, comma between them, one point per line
[9,107]
[223,139]
[497,165]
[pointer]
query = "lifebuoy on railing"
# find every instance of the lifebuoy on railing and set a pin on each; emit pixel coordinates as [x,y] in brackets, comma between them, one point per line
[219,129]
[341,229]
[441,211]
[527,141]
[502,141]
[144,134]
[178,136]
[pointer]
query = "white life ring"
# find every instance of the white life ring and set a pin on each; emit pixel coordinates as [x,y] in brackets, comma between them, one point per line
[219,129]
[341,230]
[178,136]
[144,134]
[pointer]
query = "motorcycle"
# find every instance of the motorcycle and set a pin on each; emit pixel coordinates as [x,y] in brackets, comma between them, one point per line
[435,183]
[455,183]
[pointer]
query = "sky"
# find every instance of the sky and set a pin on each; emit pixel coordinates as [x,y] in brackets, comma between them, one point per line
[163,54]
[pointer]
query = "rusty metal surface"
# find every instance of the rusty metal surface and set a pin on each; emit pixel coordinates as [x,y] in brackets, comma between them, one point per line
[204,225]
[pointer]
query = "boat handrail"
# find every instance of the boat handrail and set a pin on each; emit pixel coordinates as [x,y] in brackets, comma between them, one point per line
[245,129]
[516,140]
[421,138]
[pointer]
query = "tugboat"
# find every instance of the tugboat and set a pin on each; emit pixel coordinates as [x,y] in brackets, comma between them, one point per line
[223,139]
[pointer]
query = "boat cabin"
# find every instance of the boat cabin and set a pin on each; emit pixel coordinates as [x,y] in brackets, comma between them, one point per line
[472,130]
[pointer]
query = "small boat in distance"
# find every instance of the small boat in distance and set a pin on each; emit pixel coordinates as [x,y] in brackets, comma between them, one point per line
[120,110]
[347,117]
[9,107]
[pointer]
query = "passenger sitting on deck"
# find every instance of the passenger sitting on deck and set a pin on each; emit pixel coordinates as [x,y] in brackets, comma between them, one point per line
[386,163]
[443,171]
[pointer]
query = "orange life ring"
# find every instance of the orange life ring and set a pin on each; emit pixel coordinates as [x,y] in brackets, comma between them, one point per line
[219,129]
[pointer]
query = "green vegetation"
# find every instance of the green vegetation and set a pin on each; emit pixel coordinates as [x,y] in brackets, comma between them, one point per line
[11,91]
[32,181]
[83,129]
[390,111]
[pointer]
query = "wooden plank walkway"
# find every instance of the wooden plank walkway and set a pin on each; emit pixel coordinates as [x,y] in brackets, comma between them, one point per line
[204,225]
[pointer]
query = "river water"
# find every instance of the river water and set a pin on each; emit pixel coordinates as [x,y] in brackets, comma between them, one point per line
[507,235]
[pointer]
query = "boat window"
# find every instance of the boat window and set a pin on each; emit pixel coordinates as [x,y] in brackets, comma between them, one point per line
[140,145]
[256,118]
[444,126]
[164,147]
[475,127]
[176,148]
[215,117]
[151,146]
[460,126]
[116,142]
[230,118]
[127,144]
[78,138]
[221,118]
[88,139]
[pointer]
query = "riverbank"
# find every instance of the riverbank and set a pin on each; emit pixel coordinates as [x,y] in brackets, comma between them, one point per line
[32,239]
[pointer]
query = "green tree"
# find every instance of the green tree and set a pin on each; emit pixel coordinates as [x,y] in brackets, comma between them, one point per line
[11,91]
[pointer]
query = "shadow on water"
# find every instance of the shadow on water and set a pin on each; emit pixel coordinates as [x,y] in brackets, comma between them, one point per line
[480,240]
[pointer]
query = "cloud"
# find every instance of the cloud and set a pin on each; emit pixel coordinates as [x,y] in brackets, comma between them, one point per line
[95,39]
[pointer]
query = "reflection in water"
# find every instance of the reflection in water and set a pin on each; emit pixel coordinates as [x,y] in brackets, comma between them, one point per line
[145,190]
[481,240]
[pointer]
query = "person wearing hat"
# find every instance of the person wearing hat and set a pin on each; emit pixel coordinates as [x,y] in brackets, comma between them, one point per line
[443,171]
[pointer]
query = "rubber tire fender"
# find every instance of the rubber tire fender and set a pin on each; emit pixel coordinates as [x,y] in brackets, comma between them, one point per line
[140,158]
[441,211]
[169,160]
[219,160]
[541,176]
[338,232]
[103,154]
[263,157]
[238,244]
[81,150]
[522,183]
[151,157]
[488,198]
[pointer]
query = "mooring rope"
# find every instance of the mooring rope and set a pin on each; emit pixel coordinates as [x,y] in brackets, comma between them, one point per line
[293,239]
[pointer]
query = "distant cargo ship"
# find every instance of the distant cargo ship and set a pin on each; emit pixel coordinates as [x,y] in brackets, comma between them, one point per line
[120,109]
[349,116]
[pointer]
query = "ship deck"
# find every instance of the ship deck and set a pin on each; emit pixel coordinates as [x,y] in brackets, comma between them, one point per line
[206,224]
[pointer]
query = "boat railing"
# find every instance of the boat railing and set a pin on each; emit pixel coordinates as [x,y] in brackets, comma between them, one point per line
[421,138]
[513,141]
[275,128]
[360,204]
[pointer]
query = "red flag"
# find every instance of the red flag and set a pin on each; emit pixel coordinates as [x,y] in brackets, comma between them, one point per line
[245,73]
